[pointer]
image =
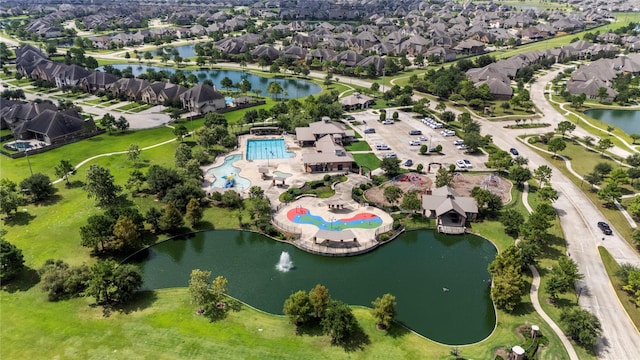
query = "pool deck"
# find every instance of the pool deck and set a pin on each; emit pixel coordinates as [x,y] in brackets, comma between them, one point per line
[366,238]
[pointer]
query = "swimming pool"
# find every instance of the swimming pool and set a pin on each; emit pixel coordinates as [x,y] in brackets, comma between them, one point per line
[267,149]
[18,145]
[228,100]
[227,175]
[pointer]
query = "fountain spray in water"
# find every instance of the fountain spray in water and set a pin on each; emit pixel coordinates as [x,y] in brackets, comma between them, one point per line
[285,264]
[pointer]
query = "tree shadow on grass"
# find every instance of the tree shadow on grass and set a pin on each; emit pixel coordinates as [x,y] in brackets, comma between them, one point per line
[310,328]
[51,200]
[357,341]
[20,218]
[397,330]
[74,184]
[24,281]
[140,301]
[524,308]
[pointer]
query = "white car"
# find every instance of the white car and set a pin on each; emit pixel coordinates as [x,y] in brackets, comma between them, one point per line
[436,126]
[467,164]
[422,138]
[461,164]
[458,142]
[448,133]
[415,142]
[388,122]
[391,155]
[382,147]
[462,147]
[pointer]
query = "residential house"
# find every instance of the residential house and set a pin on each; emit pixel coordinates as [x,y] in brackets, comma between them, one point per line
[53,127]
[97,80]
[307,136]
[202,99]
[450,210]
[130,88]
[357,101]
[13,113]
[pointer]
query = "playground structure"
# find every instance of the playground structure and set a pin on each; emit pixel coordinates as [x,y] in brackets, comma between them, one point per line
[411,182]
[230,182]
[464,183]
[417,183]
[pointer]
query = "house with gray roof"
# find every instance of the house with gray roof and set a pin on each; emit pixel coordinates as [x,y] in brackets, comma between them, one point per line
[327,156]
[202,99]
[97,80]
[53,127]
[450,210]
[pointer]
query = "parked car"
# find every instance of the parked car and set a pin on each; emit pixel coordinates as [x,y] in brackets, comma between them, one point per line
[415,142]
[462,147]
[391,155]
[382,147]
[388,122]
[447,133]
[461,164]
[514,151]
[458,142]
[409,162]
[422,138]
[415,132]
[606,229]
[350,118]
[467,164]
[436,126]
[369,131]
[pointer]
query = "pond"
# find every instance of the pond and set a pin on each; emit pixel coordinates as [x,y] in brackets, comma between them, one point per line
[441,283]
[627,120]
[292,88]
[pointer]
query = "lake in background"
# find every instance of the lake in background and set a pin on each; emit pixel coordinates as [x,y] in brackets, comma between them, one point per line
[415,268]
[293,87]
[627,120]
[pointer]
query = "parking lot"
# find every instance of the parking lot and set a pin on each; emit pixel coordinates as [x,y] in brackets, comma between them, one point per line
[397,137]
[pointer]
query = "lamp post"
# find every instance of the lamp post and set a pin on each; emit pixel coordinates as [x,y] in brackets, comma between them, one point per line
[26,154]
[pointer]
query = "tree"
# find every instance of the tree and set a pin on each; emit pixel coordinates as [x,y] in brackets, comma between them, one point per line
[171,219]
[444,178]
[182,155]
[563,277]
[604,144]
[274,88]
[298,308]
[619,176]
[38,186]
[127,234]
[161,179]
[319,299]
[610,193]
[603,168]
[593,178]
[564,126]
[633,160]
[10,198]
[121,124]
[488,203]
[11,259]
[384,310]
[63,169]
[180,131]
[447,116]
[61,281]
[152,217]
[226,83]
[199,290]
[519,174]
[634,206]
[507,288]
[512,221]
[100,185]
[133,153]
[556,145]
[135,181]
[391,166]
[98,231]
[582,326]
[110,283]
[411,201]
[547,193]
[392,194]
[543,175]
[474,141]
[108,121]
[338,322]
[194,212]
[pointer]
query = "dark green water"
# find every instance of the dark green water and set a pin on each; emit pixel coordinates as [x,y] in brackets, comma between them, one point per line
[627,120]
[414,268]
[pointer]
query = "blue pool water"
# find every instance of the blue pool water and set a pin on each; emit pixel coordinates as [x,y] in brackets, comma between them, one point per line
[21,145]
[226,172]
[267,149]
[228,100]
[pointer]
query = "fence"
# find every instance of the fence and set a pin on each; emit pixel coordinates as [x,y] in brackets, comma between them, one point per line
[288,228]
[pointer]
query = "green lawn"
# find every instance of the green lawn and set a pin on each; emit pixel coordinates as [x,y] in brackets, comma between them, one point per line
[368,160]
[358,146]
[627,301]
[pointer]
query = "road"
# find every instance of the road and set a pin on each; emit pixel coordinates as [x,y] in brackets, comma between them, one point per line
[578,217]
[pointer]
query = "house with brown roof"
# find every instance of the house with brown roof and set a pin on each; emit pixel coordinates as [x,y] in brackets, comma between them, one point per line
[450,210]
[357,101]
[327,156]
[307,136]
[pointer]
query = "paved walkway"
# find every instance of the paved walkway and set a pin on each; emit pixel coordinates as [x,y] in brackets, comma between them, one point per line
[535,285]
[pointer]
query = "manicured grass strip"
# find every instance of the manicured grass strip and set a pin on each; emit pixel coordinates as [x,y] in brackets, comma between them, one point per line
[627,301]
[358,146]
[367,160]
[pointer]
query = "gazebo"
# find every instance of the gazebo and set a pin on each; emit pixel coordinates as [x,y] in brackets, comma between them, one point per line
[264,172]
[336,204]
[337,237]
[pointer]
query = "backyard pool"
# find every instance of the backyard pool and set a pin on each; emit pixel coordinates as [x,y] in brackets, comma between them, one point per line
[267,149]
[226,175]
[18,145]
